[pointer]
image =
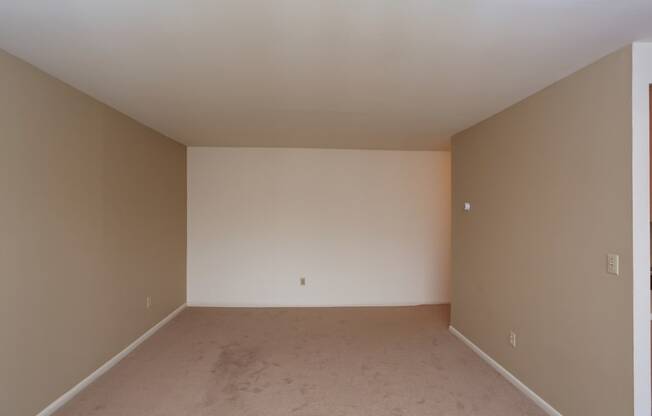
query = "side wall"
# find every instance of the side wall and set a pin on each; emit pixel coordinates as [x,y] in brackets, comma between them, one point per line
[550,183]
[364,227]
[92,220]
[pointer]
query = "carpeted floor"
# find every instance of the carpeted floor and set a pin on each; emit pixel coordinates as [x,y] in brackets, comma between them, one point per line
[303,362]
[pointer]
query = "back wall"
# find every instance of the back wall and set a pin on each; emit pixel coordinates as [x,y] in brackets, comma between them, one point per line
[363,227]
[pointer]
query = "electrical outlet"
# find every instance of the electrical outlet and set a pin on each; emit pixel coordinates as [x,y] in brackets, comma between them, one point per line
[302,281]
[512,339]
[148,302]
[613,264]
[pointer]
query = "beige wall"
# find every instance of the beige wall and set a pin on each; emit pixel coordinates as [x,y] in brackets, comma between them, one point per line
[550,184]
[92,220]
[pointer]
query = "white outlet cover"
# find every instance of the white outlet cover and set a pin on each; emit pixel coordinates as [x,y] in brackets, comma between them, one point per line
[613,264]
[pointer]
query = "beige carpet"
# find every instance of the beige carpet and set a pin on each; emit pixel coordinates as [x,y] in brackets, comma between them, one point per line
[303,362]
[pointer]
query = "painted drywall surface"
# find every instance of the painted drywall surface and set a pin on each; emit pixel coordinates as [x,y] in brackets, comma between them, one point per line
[550,183]
[387,74]
[363,227]
[93,219]
[641,81]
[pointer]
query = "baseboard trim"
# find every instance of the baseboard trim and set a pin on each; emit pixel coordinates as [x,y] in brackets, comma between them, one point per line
[67,396]
[509,376]
[279,305]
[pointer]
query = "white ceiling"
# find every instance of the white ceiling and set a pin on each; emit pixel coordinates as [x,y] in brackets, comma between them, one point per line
[389,74]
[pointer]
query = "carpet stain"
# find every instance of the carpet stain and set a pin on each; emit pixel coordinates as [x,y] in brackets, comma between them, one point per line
[303,406]
[234,360]
[237,369]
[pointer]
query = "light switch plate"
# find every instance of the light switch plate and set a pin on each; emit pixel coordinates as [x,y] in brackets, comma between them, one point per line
[613,264]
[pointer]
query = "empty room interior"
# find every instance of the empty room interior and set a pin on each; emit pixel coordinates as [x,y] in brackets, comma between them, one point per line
[325,208]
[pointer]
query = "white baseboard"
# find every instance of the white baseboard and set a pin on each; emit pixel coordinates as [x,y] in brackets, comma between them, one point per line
[509,376]
[325,305]
[67,396]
